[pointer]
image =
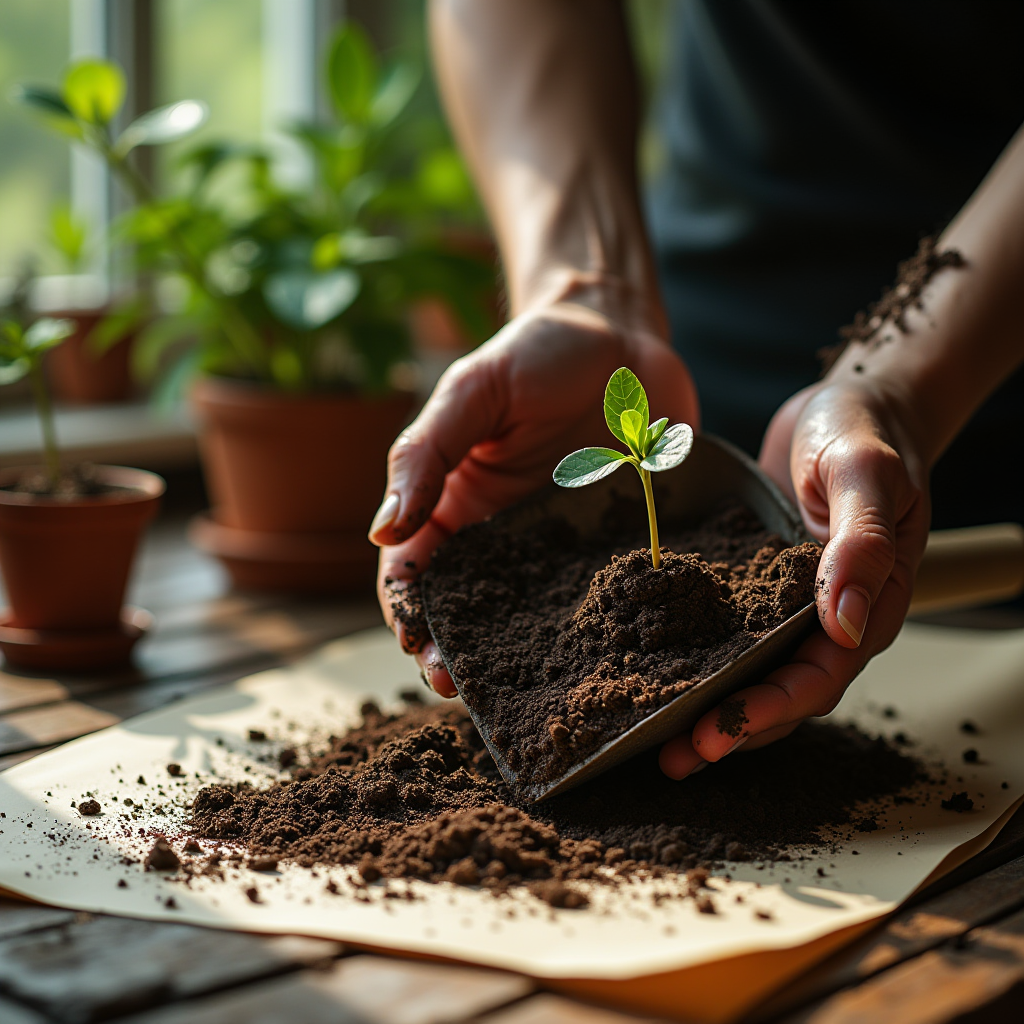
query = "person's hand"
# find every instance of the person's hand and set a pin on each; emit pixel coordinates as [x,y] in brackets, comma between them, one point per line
[843,452]
[493,430]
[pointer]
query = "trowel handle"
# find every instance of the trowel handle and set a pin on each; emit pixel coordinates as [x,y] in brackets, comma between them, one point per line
[973,566]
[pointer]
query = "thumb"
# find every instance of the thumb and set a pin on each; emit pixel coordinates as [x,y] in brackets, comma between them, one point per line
[457,416]
[867,491]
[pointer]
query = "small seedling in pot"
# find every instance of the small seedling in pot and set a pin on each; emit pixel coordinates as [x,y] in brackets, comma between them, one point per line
[653,447]
[21,355]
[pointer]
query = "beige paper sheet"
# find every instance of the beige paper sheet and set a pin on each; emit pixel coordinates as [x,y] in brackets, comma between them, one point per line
[935,677]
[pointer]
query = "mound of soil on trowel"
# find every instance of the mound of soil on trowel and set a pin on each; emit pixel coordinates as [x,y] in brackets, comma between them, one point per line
[417,795]
[560,644]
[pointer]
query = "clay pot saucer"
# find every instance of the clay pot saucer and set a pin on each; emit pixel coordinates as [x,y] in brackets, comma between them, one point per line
[301,563]
[74,650]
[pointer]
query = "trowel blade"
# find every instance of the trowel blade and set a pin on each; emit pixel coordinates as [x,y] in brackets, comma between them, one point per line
[715,471]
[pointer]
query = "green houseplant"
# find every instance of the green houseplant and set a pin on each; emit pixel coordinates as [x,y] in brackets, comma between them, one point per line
[291,303]
[86,368]
[67,538]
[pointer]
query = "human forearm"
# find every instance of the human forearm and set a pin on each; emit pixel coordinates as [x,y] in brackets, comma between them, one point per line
[542,97]
[969,335]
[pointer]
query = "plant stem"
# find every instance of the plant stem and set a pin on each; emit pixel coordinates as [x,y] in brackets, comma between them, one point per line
[45,410]
[652,519]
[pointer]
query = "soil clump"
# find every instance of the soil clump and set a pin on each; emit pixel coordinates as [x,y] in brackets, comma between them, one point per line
[564,643]
[417,795]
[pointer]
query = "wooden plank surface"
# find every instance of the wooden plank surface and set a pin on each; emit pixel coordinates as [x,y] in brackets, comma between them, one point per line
[913,930]
[97,967]
[54,723]
[17,918]
[959,948]
[14,1013]
[360,990]
[552,1009]
[982,968]
[26,692]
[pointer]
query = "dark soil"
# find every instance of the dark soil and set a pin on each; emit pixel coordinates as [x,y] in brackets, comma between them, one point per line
[76,482]
[162,857]
[560,644]
[959,802]
[417,795]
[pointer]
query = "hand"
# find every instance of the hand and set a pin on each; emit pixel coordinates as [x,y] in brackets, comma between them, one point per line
[843,453]
[492,432]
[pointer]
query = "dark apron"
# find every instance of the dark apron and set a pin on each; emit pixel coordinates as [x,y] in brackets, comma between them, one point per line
[807,147]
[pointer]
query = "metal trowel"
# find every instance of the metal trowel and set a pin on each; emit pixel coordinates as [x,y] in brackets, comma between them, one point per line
[987,565]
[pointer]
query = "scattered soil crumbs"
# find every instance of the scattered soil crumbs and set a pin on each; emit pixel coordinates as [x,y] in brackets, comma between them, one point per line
[417,795]
[564,643]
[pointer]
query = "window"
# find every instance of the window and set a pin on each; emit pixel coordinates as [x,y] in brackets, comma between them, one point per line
[34,166]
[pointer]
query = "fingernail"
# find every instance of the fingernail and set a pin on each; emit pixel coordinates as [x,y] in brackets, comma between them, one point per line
[852,612]
[735,746]
[386,514]
[693,771]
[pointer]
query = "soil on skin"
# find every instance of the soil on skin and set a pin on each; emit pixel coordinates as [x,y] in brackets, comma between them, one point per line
[560,644]
[912,277]
[417,795]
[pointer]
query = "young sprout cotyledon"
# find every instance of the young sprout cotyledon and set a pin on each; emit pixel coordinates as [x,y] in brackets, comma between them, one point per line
[653,447]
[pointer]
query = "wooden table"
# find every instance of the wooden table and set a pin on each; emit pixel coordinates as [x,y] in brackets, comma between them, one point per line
[956,954]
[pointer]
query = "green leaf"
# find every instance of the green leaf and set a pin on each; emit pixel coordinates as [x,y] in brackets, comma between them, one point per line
[307,300]
[94,90]
[352,73]
[12,370]
[624,392]
[587,466]
[68,235]
[165,124]
[47,333]
[286,367]
[11,340]
[654,432]
[392,97]
[674,446]
[117,325]
[442,179]
[633,429]
[55,112]
[156,339]
[41,99]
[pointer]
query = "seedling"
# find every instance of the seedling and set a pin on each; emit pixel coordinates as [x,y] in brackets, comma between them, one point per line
[653,447]
[21,355]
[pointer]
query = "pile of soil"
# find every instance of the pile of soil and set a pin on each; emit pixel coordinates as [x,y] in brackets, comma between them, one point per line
[417,795]
[560,643]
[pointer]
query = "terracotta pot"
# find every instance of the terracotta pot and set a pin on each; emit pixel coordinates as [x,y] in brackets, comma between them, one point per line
[295,481]
[78,375]
[65,566]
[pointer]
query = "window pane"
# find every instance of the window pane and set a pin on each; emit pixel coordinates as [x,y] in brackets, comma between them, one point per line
[34,164]
[212,50]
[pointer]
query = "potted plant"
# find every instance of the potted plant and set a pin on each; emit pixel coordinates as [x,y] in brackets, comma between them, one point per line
[293,306]
[67,537]
[93,365]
